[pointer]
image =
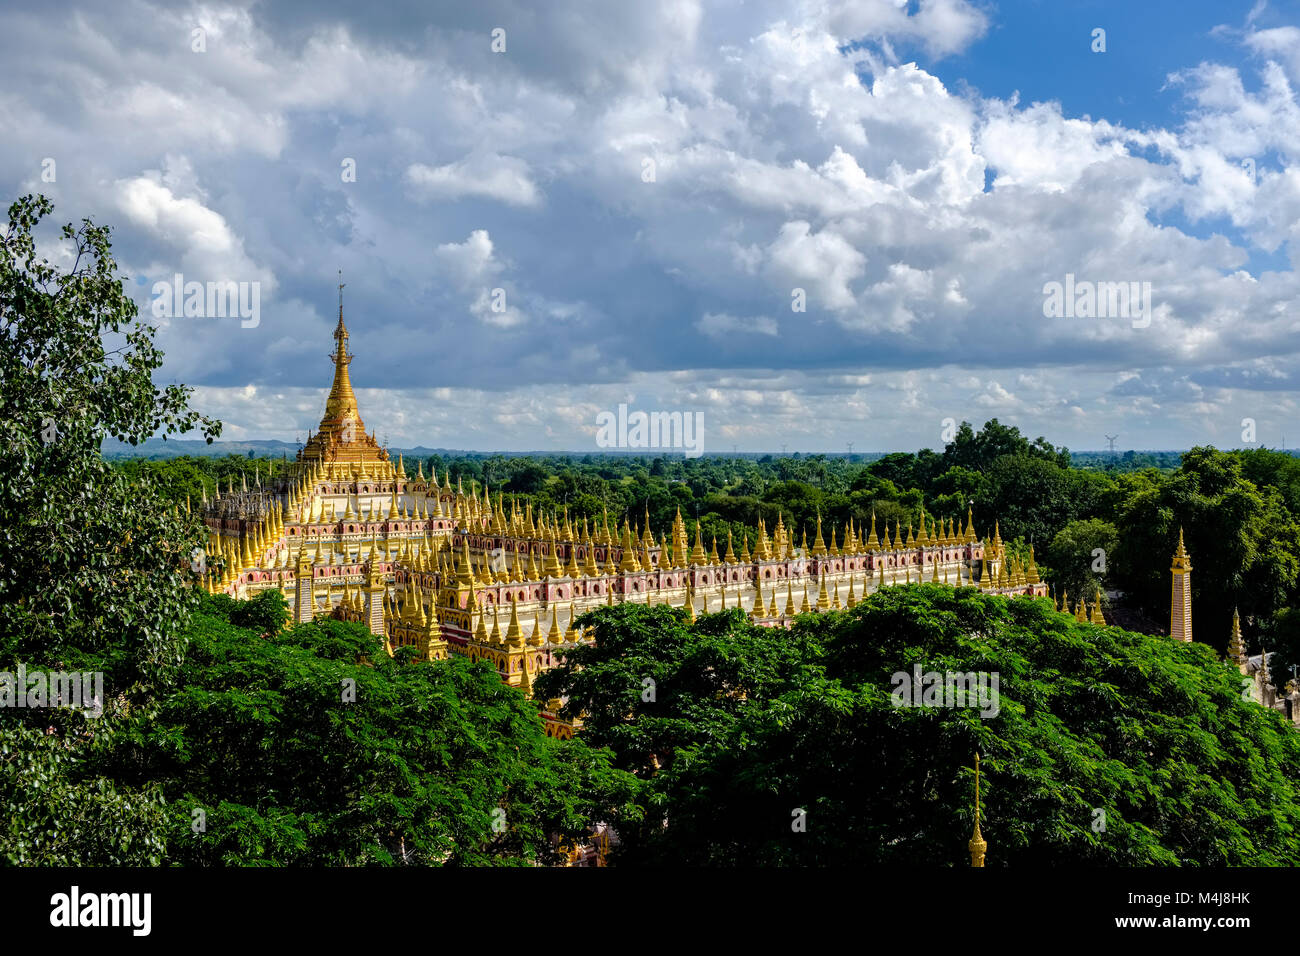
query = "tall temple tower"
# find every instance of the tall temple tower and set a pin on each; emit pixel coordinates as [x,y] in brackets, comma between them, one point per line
[304,607]
[1180,604]
[341,443]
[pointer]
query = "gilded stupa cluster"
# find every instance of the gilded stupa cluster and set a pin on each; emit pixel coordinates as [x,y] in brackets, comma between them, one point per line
[449,571]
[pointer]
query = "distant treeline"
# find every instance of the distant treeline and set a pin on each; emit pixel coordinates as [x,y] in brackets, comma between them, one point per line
[1126,460]
[156,449]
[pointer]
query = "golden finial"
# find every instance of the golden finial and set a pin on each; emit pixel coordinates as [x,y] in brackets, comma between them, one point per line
[977,845]
[1182,560]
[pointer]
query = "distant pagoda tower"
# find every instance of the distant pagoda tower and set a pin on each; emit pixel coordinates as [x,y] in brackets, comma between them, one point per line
[977,845]
[341,443]
[1236,644]
[1180,605]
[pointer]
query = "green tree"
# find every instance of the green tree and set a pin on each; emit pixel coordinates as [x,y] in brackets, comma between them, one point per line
[1079,556]
[1281,470]
[979,450]
[314,747]
[652,688]
[757,746]
[1034,496]
[94,568]
[1245,546]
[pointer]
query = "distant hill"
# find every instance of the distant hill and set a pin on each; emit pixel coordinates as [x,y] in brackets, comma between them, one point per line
[158,448]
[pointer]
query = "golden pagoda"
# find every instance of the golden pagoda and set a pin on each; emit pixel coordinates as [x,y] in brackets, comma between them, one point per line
[438,562]
[1236,644]
[977,845]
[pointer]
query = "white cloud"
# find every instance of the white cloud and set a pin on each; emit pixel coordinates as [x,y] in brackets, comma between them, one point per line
[1280,43]
[504,178]
[202,237]
[470,261]
[1039,148]
[943,26]
[824,261]
[474,271]
[147,202]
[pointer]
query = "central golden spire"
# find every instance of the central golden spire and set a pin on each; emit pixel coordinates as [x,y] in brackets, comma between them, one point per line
[341,441]
[342,403]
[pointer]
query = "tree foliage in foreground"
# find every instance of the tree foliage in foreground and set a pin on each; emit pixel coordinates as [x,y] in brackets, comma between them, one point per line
[311,746]
[748,725]
[93,571]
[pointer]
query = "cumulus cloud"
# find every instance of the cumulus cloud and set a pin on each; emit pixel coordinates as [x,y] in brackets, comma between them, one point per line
[470,261]
[812,146]
[824,261]
[472,267]
[942,26]
[200,238]
[503,178]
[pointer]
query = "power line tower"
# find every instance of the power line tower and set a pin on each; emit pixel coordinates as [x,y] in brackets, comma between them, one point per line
[1110,440]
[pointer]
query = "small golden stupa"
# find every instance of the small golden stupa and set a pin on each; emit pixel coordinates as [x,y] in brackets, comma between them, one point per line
[977,844]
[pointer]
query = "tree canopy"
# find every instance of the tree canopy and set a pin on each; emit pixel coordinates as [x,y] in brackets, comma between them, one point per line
[93,565]
[749,728]
[311,746]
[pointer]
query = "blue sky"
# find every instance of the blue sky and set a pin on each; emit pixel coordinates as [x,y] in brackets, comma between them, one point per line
[915,173]
[1042,50]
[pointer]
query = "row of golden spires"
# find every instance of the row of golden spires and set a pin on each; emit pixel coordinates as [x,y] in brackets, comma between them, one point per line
[425,554]
[470,513]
